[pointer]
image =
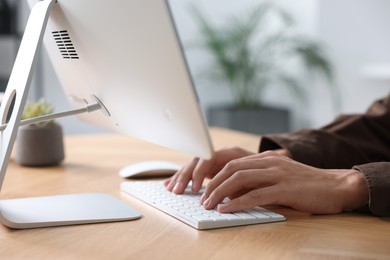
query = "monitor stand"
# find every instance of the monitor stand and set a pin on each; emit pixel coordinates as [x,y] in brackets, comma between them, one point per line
[62,210]
[53,210]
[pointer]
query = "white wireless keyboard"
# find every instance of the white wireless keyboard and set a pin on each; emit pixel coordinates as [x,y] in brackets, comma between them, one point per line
[186,207]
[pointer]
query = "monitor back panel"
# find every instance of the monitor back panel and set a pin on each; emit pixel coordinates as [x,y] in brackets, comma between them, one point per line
[127,54]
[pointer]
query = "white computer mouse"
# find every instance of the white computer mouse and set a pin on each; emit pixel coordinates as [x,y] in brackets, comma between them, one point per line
[149,169]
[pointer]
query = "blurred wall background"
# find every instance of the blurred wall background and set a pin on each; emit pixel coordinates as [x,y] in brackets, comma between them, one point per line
[354,33]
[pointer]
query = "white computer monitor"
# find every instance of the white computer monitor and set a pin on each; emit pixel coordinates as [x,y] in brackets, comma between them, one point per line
[127,54]
[123,55]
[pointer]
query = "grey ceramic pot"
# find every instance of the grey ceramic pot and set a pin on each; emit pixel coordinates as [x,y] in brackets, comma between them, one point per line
[40,146]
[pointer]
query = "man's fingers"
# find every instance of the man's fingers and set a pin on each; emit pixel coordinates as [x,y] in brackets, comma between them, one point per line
[248,179]
[200,171]
[257,197]
[178,182]
[232,168]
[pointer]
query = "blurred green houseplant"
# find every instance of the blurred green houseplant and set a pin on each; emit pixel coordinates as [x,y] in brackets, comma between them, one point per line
[36,109]
[252,52]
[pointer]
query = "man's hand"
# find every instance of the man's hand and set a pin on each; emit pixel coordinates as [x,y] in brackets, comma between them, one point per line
[197,169]
[270,178]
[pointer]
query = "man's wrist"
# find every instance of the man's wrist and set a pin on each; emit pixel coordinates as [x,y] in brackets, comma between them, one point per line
[355,188]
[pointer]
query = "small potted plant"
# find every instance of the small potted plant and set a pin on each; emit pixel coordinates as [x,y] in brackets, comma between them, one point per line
[39,144]
[254,52]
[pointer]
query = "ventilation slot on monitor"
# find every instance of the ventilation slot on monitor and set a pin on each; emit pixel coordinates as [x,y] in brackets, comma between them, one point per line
[65,44]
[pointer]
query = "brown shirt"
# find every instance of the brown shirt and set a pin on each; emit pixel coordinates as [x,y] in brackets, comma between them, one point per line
[351,141]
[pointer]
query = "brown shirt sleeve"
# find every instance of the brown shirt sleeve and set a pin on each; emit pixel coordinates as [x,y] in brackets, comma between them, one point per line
[348,141]
[377,176]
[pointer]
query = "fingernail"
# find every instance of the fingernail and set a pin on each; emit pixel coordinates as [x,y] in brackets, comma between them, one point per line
[206,203]
[177,187]
[222,208]
[170,186]
[202,198]
[166,182]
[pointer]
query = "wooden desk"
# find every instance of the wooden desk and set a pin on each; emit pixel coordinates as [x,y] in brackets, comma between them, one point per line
[91,165]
